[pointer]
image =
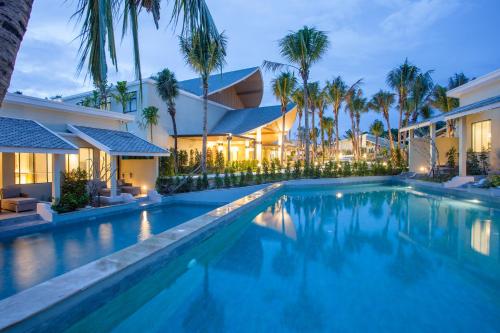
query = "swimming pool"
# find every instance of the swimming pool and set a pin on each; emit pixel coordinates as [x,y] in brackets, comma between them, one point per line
[32,259]
[354,258]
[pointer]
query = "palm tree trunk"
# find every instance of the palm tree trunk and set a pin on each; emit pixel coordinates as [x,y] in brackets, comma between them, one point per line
[205,131]
[306,119]
[376,146]
[337,135]
[176,157]
[400,123]
[14,17]
[391,140]
[283,112]
[313,129]
[151,132]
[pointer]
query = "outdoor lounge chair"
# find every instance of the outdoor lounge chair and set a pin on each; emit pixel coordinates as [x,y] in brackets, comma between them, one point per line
[104,191]
[128,188]
[15,201]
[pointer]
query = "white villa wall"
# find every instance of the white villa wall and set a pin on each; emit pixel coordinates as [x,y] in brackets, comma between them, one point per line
[494,116]
[139,172]
[419,158]
[443,145]
[491,89]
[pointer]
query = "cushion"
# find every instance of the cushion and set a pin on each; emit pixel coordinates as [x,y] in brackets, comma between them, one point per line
[11,192]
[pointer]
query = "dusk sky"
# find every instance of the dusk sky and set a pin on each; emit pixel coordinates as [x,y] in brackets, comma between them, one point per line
[368,38]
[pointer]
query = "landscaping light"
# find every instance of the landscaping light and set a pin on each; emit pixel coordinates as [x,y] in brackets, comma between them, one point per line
[338,195]
[423,169]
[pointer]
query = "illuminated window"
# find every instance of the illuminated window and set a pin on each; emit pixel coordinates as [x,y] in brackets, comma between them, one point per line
[132,103]
[481,136]
[32,168]
[480,236]
[105,162]
[83,160]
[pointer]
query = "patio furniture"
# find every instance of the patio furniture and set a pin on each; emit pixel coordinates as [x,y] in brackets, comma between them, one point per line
[104,191]
[15,201]
[128,188]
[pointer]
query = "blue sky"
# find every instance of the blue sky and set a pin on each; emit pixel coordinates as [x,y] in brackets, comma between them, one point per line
[368,38]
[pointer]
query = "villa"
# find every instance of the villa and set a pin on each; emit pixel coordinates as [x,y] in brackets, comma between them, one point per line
[469,128]
[368,144]
[237,125]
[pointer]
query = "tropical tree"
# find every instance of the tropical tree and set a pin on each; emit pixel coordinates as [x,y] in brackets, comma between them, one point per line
[419,96]
[283,87]
[97,35]
[377,129]
[321,104]
[401,79]
[457,80]
[168,89]
[302,49]
[150,117]
[204,54]
[328,127]
[122,96]
[298,99]
[353,103]
[336,91]
[313,91]
[382,102]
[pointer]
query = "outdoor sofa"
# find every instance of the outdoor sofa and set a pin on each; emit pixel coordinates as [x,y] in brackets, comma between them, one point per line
[12,199]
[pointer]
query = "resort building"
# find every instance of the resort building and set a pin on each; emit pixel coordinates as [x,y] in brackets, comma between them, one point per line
[237,125]
[43,138]
[468,129]
[368,144]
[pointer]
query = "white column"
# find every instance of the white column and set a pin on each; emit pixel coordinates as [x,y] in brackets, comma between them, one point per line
[411,153]
[229,147]
[462,147]
[432,144]
[247,150]
[58,166]
[157,169]
[258,145]
[113,181]
[280,141]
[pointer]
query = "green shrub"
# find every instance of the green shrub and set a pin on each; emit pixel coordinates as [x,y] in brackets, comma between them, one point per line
[296,169]
[495,180]
[234,178]
[258,176]
[249,175]
[204,181]
[227,179]
[346,169]
[242,180]
[74,192]
[288,171]
[265,168]
[218,181]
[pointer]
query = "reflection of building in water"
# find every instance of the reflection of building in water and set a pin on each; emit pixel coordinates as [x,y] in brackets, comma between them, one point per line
[480,236]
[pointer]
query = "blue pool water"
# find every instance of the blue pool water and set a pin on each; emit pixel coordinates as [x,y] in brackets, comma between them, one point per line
[29,260]
[352,259]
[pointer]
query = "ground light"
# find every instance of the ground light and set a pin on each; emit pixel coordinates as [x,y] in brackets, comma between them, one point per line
[339,195]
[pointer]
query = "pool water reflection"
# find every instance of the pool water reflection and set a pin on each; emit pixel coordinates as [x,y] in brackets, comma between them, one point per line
[375,258]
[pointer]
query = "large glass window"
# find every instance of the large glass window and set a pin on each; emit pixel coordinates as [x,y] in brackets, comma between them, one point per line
[481,136]
[105,162]
[32,168]
[83,160]
[132,103]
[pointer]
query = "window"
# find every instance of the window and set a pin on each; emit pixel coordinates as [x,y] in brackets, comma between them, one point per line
[105,162]
[481,136]
[32,168]
[83,160]
[132,103]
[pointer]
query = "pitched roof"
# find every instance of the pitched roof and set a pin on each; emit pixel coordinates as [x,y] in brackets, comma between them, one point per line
[117,142]
[244,120]
[482,105]
[217,82]
[23,135]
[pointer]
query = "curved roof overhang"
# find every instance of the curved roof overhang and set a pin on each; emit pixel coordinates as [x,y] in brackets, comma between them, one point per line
[247,92]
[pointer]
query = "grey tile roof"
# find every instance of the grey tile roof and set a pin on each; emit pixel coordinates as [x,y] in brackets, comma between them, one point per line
[476,105]
[216,81]
[26,134]
[119,141]
[244,120]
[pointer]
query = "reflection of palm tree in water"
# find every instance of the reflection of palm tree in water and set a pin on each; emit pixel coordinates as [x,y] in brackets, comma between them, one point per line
[284,261]
[205,314]
[334,255]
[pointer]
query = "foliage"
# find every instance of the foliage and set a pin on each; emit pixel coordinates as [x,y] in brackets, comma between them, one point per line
[150,117]
[258,176]
[74,192]
[495,180]
[451,155]
[218,181]
[227,179]
[472,163]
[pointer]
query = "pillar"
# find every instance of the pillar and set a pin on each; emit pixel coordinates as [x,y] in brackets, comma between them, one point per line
[113,176]
[229,138]
[432,145]
[258,144]
[247,150]
[96,164]
[411,153]
[58,166]
[280,142]
[462,147]
[157,168]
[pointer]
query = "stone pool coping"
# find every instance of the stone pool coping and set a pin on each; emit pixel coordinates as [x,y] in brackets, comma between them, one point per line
[31,308]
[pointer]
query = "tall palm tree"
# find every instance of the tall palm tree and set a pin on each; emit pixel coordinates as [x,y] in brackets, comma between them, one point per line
[328,126]
[336,91]
[359,105]
[419,96]
[401,79]
[302,49]
[122,96]
[377,129]
[97,35]
[168,89]
[204,55]
[382,102]
[150,117]
[457,80]
[298,99]
[321,104]
[313,91]
[283,87]
[352,102]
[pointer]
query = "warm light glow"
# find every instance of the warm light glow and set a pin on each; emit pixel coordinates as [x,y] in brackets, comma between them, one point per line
[341,155]
[144,189]
[423,169]
[480,236]
[145,227]
[339,195]
[364,155]
[384,163]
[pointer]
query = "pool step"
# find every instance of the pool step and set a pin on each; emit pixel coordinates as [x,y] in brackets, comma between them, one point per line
[11,229]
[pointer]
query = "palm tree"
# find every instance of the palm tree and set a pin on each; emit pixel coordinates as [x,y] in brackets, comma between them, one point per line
[122,96]
[150,117]
[313,91]
[377,129]
[302,49]
[457,80]
[168,89]
[401,80]
[204,55]
[360,106]
[298,99]
[321,104]
[419,95]
[382,102]
[336,91]
[352,102]
[283,87]
[97,36]
[328,126]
